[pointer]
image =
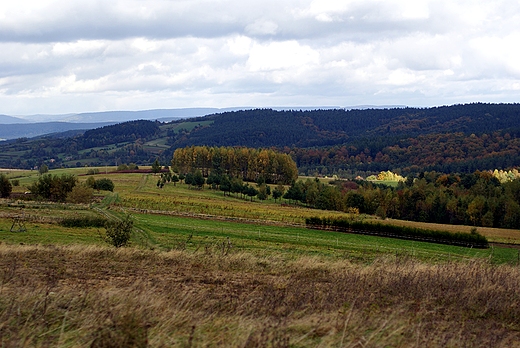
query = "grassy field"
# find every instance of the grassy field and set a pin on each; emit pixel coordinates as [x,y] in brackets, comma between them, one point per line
[74,296]
[208,270]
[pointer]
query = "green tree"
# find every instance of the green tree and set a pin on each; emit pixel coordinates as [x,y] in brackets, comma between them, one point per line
[476,210]
[188,179]
[118,232]
[91,182]
[80,194]
[104,185]
[43,169]
[5,186]
[175,179]
[198,179]
[156,166]
[278,191]
[356,200]
[225,184]
[263,192]
[250,191]
[54,187]
[295,192]
[236,185]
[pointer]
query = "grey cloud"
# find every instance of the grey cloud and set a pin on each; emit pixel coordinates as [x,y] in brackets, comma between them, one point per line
[99,55]
[71,21]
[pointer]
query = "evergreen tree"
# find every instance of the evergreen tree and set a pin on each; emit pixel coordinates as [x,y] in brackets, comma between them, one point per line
[5,186]
[156,166]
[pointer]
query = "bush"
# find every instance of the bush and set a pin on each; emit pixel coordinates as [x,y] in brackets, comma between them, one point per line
[472,239]
[86,221]
[104,185]
[80,194]
[5,186]
[118,231]
[91,182]
[54,187]
[93,171]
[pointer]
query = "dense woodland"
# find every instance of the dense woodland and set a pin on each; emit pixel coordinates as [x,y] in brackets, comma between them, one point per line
[245,163]
[348,143]
[477,199]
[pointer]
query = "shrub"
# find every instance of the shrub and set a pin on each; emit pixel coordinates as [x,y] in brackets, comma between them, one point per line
[473,239]
[91,182]
[118,231]
[80,194]
[5,186]
[104,185]
[54,187]
[93,171]
[86,221]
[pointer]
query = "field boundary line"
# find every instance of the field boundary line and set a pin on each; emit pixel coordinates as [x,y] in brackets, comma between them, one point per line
[213,217]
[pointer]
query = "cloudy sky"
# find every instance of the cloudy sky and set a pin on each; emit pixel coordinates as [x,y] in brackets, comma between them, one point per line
[67,56]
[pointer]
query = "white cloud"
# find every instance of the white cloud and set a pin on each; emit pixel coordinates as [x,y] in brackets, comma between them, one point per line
[70,56]
[262,27]
[79,49]
[281,55]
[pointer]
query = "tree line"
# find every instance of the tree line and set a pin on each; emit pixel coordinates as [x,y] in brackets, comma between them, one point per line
[476,199]
[247,164]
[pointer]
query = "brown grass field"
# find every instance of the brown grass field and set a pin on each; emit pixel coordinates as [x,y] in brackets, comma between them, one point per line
[71,290]
[102,297]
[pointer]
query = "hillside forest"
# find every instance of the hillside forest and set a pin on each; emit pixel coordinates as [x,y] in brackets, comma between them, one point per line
[346,143]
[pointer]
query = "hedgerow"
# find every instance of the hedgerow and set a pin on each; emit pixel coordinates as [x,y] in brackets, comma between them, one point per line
[473,239]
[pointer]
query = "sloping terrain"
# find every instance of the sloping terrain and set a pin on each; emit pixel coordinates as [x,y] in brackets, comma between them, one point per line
[459,138]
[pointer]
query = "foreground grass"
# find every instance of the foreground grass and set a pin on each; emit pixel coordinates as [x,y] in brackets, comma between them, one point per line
[102,297]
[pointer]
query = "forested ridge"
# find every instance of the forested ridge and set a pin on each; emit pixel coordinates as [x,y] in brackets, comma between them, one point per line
[266,127]
[457,138]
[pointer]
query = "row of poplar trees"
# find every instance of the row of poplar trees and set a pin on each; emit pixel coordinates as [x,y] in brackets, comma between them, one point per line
[238,162]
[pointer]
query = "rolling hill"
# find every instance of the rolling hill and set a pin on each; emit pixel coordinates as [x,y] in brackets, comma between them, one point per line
[459,138]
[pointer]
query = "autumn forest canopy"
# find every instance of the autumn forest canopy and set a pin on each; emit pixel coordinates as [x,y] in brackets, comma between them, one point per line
[245,163]
[348,143]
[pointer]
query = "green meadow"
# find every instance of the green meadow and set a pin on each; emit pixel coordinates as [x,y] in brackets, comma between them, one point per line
[204,270]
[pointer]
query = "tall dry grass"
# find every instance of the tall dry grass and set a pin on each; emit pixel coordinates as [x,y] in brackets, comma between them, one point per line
[102,297]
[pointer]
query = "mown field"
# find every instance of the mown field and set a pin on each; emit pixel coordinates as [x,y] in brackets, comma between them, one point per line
[207,270]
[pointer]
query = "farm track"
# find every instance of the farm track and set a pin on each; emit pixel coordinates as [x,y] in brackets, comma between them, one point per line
[142,183]
[505,245]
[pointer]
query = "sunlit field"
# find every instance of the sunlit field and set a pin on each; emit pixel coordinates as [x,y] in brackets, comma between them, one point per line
[204,269]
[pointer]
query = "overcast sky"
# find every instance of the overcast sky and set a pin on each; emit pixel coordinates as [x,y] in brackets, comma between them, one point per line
[68,56]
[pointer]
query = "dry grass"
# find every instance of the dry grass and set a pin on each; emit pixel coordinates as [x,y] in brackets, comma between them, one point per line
[102,297]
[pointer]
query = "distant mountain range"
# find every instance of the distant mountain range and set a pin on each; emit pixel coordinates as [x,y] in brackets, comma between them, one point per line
[36,125]
[4,119]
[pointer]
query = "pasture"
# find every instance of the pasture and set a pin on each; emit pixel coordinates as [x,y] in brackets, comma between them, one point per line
[204,269]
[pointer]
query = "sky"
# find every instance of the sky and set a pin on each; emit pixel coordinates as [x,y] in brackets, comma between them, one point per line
[68,56]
